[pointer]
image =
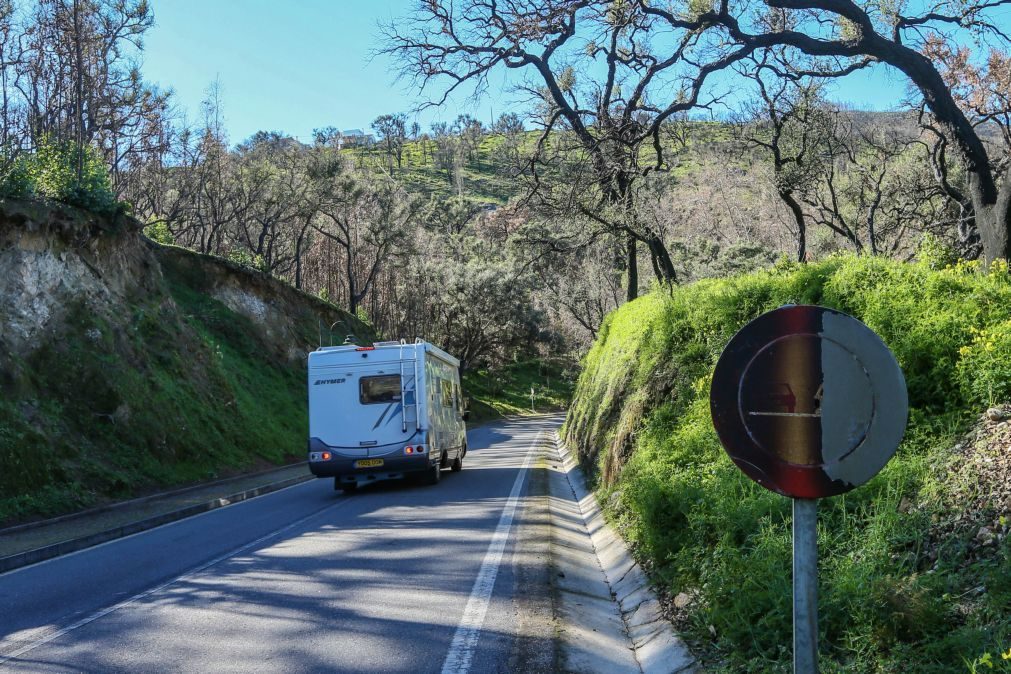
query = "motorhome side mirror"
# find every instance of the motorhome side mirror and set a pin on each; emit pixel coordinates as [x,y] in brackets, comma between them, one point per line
[466,415]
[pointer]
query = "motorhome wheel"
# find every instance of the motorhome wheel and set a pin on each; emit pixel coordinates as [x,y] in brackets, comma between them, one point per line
[434,474]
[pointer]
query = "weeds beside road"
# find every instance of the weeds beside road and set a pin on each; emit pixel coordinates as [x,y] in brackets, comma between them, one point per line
[900,591]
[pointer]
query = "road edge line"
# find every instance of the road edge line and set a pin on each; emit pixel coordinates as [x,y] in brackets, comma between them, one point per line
[657,647]
[468,631]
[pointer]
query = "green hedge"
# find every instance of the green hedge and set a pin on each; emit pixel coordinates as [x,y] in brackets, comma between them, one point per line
[892,597]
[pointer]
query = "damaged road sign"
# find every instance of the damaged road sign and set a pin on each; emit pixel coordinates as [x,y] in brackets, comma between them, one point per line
[808,401]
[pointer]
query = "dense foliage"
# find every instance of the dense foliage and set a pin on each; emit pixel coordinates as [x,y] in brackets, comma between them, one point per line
[895,594]
[51,172]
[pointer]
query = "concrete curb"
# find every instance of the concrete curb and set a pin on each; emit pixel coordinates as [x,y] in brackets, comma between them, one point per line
[122,505]
[20,559]
[658,648]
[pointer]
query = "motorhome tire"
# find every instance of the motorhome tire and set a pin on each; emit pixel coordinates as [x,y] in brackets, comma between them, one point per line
[457,464]
[434,474]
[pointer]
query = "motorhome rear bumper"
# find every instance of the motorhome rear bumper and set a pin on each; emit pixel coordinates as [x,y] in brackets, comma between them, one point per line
[341,466]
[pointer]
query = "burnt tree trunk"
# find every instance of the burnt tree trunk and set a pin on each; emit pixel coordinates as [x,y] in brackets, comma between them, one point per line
[662,264]
[798,217]
[632,267]
[993,220]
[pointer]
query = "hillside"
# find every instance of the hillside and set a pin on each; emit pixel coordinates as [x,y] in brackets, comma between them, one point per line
[488,174]
[128,366]
[913,565]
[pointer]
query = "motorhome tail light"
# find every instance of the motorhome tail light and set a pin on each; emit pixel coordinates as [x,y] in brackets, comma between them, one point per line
[366,348]
[420,449]
[326,456]
[408,450]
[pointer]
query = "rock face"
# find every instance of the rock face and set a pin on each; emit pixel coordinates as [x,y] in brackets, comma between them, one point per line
[52,258]
[290,321]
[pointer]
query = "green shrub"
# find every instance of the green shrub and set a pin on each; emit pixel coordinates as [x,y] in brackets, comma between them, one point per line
[159,233]
[246,259]
[51,172]
[984,367]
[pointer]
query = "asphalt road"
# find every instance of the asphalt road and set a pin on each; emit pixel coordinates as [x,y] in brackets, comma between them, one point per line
[395,578]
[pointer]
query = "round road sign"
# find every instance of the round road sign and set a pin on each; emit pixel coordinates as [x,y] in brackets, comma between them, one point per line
[808,401]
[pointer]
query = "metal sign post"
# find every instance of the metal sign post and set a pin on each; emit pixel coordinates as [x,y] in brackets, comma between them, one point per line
[805,586]
[809,403]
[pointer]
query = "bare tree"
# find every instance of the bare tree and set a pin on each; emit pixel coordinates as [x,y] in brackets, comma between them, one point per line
[607,89]
[78,79]
[846,35]
[369,221]
[788,123]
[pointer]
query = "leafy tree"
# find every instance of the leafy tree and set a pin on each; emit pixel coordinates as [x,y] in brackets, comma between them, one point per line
[62,171]
[392,133]
[510,127]
[484,310]
[470,132]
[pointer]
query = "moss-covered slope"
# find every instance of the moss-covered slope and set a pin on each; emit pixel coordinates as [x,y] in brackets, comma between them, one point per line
[127,366]
[899,590]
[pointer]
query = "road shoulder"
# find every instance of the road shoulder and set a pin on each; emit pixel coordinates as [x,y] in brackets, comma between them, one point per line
[608,603]
[535,649]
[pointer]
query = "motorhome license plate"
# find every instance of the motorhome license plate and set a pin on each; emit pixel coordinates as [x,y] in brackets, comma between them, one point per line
[369,463]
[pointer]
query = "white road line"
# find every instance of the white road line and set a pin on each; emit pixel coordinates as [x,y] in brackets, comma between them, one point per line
[461,650]
[147,593]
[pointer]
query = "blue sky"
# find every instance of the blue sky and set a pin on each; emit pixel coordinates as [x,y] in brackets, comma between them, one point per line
[296,65]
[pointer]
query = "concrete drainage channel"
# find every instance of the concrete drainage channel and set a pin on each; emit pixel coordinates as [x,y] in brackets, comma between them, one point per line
[606,603]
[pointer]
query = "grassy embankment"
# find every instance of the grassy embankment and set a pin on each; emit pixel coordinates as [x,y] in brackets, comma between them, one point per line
[485,178]
[494,394]
[902,589]
[176,391]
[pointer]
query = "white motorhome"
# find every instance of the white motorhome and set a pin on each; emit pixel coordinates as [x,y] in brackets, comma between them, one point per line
[384,411]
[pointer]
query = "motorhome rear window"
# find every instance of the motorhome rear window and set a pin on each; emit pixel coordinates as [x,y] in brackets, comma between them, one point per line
[382,389]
